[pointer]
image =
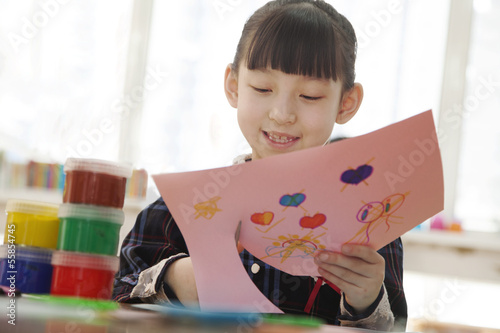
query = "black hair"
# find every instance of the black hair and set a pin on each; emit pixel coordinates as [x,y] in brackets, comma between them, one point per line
[306,37]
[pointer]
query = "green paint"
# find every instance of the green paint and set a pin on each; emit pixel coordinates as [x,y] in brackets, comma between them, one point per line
[88,235]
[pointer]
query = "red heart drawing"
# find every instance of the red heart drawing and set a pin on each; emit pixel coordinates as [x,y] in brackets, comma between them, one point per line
[262,218]
[313,222]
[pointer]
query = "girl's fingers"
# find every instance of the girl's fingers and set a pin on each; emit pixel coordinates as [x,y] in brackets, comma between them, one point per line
[341,275]
[358,271]
[362,252]
[354,264]
[343,285]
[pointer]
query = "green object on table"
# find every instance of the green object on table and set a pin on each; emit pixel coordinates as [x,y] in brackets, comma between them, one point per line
[295,320]
[94,304]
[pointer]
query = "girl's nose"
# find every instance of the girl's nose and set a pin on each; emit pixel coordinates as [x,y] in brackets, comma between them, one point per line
[283,112]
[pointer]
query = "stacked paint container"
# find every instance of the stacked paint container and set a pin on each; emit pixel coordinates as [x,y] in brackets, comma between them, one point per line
[31,234]
[90,217]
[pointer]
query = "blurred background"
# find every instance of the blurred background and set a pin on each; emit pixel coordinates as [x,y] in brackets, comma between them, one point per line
[141,81]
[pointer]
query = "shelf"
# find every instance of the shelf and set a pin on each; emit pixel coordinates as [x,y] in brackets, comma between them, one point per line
[473,255]
[35,194]
[55,196]
[473,240]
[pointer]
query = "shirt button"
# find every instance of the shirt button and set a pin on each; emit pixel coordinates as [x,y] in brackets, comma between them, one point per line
[255,268]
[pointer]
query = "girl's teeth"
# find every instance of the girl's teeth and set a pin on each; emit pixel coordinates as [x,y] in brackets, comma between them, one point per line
[280,139]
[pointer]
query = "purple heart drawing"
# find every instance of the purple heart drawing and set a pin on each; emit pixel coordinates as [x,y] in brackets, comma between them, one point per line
[356,176]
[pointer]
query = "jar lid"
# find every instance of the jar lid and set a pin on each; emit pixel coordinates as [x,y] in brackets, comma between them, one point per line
[28,253]
[85,260]
[98,166]
[92,212]
[32,207]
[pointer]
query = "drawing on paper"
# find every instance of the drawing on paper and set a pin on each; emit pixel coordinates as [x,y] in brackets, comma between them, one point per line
[293,246]
[207,209]
[376,213]
[312,222]
[294,200]
[264,219]
[355,176]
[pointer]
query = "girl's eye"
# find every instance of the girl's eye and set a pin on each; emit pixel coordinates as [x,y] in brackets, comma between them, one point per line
[261,90]
[310,98]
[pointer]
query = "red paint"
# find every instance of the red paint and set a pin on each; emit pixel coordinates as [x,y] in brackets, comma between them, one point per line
[94,189]
[82,282]
[83,275]
[95,182]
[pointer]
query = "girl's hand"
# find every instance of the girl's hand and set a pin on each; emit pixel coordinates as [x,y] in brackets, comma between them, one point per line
[358,271]
[180,277]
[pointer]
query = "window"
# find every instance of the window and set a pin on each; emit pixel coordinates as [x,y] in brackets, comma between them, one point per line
[62,67]
[478,181]
[400,59]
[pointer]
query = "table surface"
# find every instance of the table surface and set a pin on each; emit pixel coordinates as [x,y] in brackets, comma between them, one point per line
[33,316]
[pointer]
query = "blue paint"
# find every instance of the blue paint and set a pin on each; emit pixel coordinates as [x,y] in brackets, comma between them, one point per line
[30,267]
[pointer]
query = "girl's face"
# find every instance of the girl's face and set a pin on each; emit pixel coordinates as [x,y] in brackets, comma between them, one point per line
[279,112]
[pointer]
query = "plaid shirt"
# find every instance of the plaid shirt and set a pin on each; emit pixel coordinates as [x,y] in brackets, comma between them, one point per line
[156,241]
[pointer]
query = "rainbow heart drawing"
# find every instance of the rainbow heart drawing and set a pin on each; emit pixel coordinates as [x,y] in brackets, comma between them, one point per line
[262,218]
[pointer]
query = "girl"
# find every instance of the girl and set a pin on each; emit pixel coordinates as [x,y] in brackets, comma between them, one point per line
[291,80]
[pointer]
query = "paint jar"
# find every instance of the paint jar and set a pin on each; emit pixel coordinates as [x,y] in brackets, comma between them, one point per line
[89,228]
[95,182]
[26,268]
[83,275]
[31,223]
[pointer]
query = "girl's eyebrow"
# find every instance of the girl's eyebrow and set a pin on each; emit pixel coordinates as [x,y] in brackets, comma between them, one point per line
[262,70]
[307,77]
[317,79]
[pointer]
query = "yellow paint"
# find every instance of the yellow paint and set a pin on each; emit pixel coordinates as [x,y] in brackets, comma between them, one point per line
[32,229]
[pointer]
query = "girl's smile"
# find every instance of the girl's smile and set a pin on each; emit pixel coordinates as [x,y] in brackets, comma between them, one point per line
[280,140]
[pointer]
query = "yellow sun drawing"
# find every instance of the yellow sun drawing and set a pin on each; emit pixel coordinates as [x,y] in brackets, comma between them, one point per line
[207,209]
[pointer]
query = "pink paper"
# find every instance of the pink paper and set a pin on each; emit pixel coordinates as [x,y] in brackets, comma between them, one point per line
[367,190]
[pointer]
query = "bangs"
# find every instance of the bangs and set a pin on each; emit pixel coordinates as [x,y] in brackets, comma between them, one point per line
[296,42]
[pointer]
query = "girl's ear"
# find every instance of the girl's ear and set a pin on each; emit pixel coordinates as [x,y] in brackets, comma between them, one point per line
[231,86]
[351,102]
